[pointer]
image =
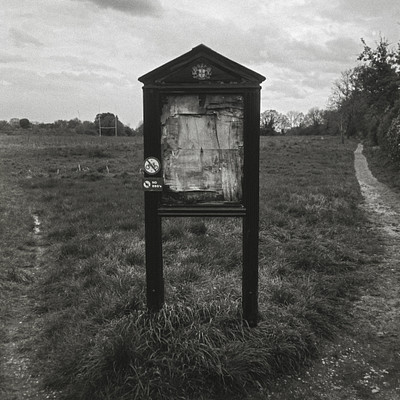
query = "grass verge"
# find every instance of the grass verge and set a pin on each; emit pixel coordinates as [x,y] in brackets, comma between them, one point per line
[98,340]
[382,167]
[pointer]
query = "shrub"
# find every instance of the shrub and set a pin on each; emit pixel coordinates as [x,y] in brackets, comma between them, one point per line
[389,132]
[24,123]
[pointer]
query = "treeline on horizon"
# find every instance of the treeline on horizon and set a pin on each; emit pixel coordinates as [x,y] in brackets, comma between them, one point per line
[364,103]
[104,124]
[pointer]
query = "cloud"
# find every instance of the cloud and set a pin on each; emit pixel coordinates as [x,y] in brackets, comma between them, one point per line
[22,39]
[228,37]
[285,89]
[6,58]
[348,9]
[135,7]
[328,56]
[81,64]
[301,46]
[37,95]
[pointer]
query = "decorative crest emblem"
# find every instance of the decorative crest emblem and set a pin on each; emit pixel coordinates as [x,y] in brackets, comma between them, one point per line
[201,72]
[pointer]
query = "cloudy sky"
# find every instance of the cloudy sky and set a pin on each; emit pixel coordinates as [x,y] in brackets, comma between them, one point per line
[62,59]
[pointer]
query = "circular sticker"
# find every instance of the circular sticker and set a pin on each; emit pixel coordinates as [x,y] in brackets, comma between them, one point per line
[152,165]
[146,184]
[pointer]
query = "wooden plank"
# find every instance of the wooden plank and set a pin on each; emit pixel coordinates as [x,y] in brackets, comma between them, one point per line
[153,236]
[202,211]
[251,202]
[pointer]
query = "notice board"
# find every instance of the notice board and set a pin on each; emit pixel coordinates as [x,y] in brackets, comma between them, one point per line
[201,156]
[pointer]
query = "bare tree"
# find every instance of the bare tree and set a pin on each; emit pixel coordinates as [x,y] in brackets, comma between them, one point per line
[314,117]
[272,122]
[295,118]
[342,89]
[347,100]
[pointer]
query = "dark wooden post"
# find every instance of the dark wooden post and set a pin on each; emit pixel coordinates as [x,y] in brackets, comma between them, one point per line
[153,232]
[251,202]
[154,262]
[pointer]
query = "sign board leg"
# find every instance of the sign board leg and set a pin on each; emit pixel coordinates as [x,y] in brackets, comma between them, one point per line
[250,272]
[154,262]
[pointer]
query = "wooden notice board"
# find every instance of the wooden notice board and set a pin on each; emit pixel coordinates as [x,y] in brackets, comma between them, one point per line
[201,152]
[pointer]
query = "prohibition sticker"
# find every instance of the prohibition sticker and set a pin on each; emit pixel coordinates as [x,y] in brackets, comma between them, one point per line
[152,165]
[152,184]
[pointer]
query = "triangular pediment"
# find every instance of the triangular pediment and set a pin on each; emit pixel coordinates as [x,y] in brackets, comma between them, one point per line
[201,65]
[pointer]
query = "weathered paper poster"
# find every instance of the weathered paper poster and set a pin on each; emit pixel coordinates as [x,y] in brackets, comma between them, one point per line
[202,148]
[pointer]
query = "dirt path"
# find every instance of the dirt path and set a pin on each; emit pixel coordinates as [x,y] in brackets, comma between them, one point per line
[20,260]
[363,363]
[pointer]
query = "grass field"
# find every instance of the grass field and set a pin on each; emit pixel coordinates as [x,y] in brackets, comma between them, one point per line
[98,341]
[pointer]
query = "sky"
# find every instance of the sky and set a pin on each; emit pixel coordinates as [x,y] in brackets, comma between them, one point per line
[65,59]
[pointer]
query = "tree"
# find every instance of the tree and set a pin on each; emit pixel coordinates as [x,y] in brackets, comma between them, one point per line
[4,125]
[374,97]
[295,119]
[61,124]
[24,123]
[129,131]
[315,122]
[14,123]
[272,122]
[73,123]
[283,124]
[314,117]
[379,81]
[267,123]
[379,76]
[139,129]
[333,124]
[86,128]
[106,123]
[348,101]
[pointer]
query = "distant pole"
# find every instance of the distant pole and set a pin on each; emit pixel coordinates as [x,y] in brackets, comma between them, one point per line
[99,125]
[116,125]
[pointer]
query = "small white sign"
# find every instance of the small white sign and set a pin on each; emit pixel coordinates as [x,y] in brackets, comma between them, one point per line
[152,165]
[152,184]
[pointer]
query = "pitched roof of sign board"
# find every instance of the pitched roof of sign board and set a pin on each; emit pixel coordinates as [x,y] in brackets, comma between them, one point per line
[180,70]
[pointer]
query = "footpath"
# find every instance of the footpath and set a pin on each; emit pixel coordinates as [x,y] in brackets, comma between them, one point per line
[20,264]
[364,362]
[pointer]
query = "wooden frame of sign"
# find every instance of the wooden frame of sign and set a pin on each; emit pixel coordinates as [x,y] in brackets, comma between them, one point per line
[201,120]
